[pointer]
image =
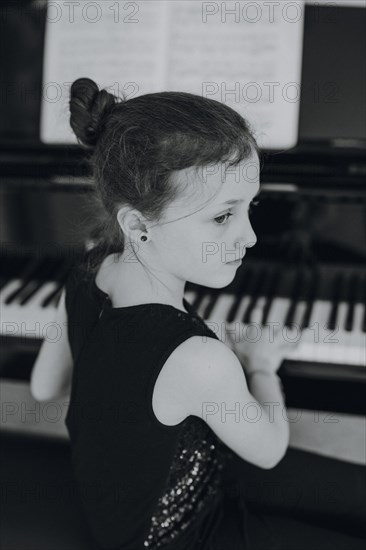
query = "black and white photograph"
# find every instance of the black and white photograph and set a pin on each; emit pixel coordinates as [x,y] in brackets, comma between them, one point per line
[182,275]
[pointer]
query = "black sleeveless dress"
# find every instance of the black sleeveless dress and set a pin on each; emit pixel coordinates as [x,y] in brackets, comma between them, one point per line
[142,484]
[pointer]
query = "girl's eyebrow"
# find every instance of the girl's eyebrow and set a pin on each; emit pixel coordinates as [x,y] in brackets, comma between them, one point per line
[232,201]
[236,201]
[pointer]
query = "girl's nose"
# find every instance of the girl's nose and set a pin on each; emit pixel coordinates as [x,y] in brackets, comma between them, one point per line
[252,242]
[250,237]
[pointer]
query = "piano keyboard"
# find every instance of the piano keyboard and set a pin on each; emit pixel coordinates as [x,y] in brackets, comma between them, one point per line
[317,344]
[326,306]
[28,302]
[331,330]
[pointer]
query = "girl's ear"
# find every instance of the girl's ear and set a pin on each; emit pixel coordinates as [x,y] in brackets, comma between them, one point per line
[121,214]
[131,223]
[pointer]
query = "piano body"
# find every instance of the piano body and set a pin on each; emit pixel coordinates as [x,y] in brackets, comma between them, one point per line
[307,268]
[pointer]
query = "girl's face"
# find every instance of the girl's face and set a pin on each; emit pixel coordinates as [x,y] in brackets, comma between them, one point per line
[208,226]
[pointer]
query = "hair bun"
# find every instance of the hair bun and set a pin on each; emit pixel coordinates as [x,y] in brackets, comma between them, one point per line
[88,105]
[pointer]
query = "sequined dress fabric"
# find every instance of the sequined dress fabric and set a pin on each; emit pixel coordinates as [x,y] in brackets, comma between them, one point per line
[193,481]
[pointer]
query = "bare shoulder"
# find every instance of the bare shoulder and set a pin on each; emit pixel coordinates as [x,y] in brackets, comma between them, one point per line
[203,368]
[201,356]
[190,374]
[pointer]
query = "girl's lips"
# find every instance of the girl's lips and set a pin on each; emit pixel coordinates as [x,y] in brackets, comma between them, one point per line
[236,261]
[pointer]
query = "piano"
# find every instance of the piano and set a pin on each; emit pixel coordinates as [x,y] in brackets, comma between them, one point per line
[307,267]
[306,270]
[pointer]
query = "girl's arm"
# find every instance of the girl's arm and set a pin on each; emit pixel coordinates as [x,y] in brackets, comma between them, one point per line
[52,370]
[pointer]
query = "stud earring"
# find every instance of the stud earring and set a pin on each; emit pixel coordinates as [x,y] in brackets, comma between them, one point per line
[143,238]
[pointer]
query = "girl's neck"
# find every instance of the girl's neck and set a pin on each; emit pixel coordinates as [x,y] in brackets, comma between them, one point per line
[128,284]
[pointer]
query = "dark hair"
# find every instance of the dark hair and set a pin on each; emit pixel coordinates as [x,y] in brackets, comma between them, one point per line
[139,143]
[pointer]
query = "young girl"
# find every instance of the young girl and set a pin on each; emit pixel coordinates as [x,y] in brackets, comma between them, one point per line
[164,429]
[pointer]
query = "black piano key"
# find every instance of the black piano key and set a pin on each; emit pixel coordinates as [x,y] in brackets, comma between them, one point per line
[290,315]
[246,282]
[353,284]
[266,289]
[198,299]
[30,269]
[257,290]
[310,298]
[41,278]
[210,305]
[295,295]
[364,303]
[273,286]
[234,309]
[361,296]
[338,283]
[54,297]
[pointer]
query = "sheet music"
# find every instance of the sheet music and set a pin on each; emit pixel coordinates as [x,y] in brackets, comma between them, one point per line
[246,57]
[122,52]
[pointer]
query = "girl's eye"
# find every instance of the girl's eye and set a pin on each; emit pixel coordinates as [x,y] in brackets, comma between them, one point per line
[226,216]
[252,205]
[223,216]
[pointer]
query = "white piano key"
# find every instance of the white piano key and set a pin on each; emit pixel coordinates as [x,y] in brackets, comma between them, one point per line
[278,312]
[299,313]
[339,350]
[240,312]
[260,303]
[358,352]
[8,289]
[342,315]
[358,317]
[320,313]
[190,296]
[352,352]
[318,320]
[323,351]
[217,321]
